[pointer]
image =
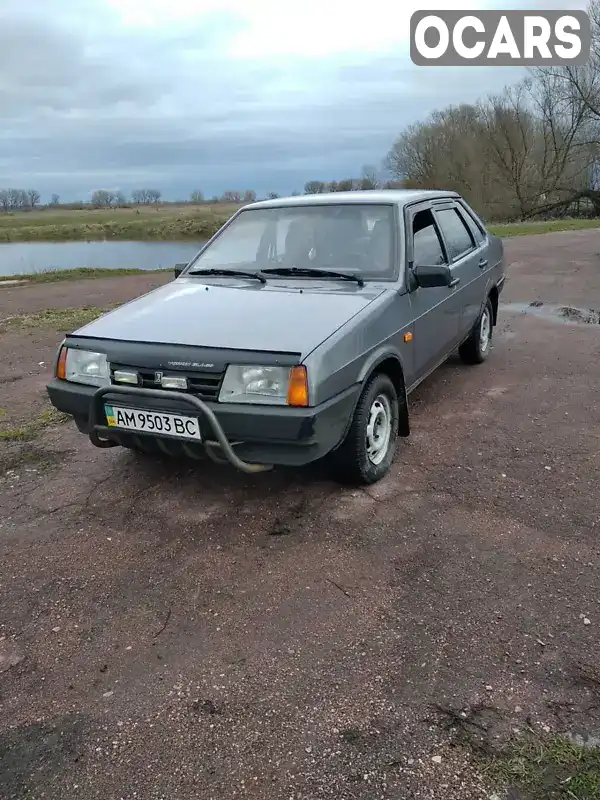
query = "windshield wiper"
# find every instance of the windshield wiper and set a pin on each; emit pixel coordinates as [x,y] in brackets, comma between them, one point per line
[313,272]
[229,272]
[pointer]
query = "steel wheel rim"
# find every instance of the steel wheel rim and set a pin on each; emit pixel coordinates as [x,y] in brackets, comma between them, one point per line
[379,429]
[485,331]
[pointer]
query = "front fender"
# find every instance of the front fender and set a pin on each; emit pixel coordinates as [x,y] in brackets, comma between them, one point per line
[397,373]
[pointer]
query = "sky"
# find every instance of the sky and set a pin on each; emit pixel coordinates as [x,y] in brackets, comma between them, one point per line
[215,95]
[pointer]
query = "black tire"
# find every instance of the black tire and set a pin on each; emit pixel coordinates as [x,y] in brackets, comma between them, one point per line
[473,350]
[351,462]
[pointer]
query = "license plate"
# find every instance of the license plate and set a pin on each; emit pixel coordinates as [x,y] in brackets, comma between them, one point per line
[152,422]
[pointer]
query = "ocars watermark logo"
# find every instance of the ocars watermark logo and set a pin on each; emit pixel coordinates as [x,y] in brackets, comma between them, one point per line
[499,38]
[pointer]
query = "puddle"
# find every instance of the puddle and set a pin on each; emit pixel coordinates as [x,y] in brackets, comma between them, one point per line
[566,314]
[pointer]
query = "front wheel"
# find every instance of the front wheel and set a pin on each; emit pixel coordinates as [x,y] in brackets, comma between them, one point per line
[367,452]
[477,347]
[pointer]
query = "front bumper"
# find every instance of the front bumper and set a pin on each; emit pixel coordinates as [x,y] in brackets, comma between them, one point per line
[248,437]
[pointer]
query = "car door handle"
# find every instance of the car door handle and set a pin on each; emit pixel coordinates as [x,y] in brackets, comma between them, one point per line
[454,283]
[483,262]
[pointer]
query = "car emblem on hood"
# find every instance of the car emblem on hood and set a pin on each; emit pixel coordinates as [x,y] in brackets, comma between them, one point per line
[194,364]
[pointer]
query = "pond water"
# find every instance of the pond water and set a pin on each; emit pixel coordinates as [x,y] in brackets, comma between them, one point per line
[22,258]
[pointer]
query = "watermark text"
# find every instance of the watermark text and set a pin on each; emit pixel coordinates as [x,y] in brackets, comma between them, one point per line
[500,38]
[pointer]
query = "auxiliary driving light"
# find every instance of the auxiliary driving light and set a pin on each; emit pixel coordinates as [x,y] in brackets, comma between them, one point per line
[173,382]
[122,376]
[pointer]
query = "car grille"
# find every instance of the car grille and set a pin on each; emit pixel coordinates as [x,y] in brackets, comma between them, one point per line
[205,385]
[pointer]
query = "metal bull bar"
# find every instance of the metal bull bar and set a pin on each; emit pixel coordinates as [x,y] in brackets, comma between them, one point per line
[197,406]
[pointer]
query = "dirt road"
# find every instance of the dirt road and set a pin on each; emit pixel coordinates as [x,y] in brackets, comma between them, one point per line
[185,632]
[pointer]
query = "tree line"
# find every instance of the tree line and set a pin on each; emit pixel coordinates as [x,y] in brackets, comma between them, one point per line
[29,199]
[18,199]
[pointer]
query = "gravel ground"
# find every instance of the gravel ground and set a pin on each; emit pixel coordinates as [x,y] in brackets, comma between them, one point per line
[186,632]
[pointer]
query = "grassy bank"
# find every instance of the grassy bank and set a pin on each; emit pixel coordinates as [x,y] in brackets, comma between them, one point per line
[527,762]
[175,223]
[30,430]
[540,767]
[509,229]
[57,319]
[168,223]
[82,273]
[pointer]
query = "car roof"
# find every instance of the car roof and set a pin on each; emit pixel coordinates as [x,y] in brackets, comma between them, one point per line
[399,197]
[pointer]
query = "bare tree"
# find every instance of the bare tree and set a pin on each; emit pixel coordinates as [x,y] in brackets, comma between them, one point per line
[537,144]
[196,197]
[512,155]
[272,195]
[102,198]
[145,197]
[34,197]
[444,151]
[54,200]
[4,200]
[17,199]
[314,187]
[368,178]
[249,196]
[232,196]
[584,80]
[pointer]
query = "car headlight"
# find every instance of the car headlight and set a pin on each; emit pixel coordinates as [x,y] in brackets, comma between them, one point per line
[83,366]
[279,386]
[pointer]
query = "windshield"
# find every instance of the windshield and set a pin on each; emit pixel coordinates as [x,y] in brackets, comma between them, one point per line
[351,238]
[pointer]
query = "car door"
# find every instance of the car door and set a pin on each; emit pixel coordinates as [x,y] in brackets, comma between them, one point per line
[435,311]
[486,263]
[467,261]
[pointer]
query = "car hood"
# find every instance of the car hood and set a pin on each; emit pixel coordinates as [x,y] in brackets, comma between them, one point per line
[230,314]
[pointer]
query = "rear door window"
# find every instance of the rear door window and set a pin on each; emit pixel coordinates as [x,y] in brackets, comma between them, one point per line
[456,233]
[472,224]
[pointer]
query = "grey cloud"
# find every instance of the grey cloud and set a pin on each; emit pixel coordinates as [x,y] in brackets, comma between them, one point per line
[85,103]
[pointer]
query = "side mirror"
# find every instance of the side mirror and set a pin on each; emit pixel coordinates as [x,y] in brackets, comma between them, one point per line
[431,276]
[179,269]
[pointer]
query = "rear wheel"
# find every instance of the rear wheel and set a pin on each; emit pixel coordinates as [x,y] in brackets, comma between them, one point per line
[367,452]
[476,348]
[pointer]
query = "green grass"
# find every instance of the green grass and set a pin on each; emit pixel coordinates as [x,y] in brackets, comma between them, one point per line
[173,223]
[163,223]
[546,767]
[80,273]
[59,319]
[29,431]
[509,229]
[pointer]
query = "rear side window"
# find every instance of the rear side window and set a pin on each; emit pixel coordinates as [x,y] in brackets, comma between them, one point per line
[427,247]
[472,223]
[455,231]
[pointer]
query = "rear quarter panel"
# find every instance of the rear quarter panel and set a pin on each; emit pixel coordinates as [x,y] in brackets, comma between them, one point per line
[496,252]
[497,260]
[346,358]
